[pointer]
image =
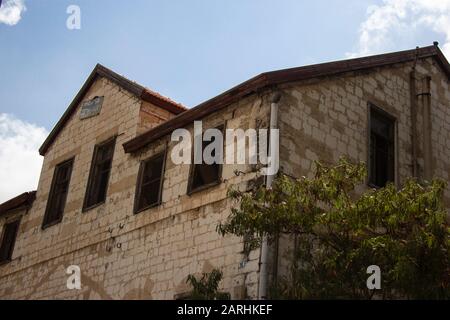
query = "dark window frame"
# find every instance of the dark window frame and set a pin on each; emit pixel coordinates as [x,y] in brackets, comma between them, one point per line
[14,240]
[190,189]
[45,223]
[92,173]
[139,182]
[371,180]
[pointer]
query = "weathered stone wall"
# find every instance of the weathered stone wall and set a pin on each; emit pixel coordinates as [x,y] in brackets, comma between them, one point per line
[440,121]
[325,119]
[123,255]
[150,255]
[151,116]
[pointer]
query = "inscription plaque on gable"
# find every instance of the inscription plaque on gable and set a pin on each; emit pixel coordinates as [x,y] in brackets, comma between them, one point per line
[91,108]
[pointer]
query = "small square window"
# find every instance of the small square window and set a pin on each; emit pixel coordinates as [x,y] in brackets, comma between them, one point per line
[58,194]
[8,241]
[149,186]
[382,147]
[99,175]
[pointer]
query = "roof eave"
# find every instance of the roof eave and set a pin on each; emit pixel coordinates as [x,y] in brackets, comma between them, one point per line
[24,200]
[274,78]
[198,112]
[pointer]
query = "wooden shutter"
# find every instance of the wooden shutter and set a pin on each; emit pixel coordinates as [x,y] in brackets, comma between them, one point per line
[381,148]
[99,175]
[58,193]
[204,175]
[8,241]
[149,186]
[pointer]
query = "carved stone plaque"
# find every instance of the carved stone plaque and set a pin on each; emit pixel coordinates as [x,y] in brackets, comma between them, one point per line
[91,108]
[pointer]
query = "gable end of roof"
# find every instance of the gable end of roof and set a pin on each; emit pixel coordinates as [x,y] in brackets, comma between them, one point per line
[24,200]
[133,87]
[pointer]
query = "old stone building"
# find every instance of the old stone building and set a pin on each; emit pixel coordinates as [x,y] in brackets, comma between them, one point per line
[111,201]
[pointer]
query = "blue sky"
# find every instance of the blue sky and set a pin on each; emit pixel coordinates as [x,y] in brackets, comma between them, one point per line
[187,50]
[190,50]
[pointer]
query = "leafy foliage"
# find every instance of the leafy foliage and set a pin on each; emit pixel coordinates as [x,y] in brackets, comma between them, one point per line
[339,233]
[207,287]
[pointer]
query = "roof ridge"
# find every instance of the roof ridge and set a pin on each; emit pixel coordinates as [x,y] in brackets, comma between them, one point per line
[141,87]
[166,98]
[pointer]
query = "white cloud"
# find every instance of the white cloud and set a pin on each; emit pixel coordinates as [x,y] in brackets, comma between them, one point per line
[403,22]
[11,11]
[20,162]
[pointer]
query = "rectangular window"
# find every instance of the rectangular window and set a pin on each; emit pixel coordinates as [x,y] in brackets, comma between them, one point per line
[58,194]
[204,175]
[99,175]
[382,148]
[149,186]
[8,240]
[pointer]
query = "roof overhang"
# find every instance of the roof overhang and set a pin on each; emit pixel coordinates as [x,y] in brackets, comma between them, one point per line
[25,200]
[274,78]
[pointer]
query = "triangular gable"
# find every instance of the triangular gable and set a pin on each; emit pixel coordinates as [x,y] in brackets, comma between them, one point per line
[133,87]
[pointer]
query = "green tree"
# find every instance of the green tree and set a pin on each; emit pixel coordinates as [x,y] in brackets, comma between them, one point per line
[340,232]
[207,288]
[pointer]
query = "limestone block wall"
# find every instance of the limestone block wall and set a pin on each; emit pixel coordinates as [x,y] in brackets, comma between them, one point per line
[440,120]
[122,255]
[36,249]
[325,119]
[149,255]
[150,116]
